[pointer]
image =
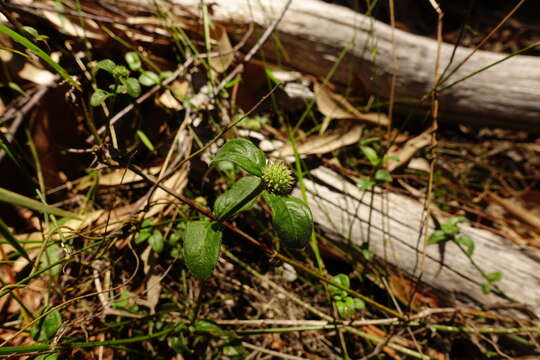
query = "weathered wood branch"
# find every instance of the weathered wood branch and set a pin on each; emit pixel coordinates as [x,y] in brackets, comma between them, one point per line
[392,225]
[313,34]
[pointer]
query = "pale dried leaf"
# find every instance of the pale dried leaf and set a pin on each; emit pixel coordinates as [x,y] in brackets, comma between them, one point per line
[37,76]
[335,106]
[513,207]
[407,151]
[329,106]
[68,27]
[419,164]
[153,282]
[168,100]
[222,62]
[321,144]
[124,176]
[179,89]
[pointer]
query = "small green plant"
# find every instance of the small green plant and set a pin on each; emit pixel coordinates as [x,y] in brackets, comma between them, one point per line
[380,175]
[347,306]
[151,234]
[291,217]
[46,327]
[450,231]
[124,82]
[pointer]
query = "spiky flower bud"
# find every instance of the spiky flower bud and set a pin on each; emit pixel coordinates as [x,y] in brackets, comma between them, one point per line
[277,178]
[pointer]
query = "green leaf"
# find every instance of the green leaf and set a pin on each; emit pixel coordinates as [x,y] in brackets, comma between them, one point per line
[449,229]
[467,242]
[156,241]
[6,233]
[107,64]
[382,175]
[371,155]
[437,237]
[205,326]
[368,254]
[147,228]
[132,86]
[47,327]
[390,158]
[232,82]
[457,219]
[486,287]
[241,196]
[145,140]
[345,308]
[32,31]
[235,351]
[201,247]
[349,306]
[51,256]
[243,153]
[53,356]
[292,219]
[120,72]
[148,78]
[365,183]
[133,60]
[17,88]
[178,344]
[175,237]
[4,146]
[121,302]
[344,281]
[42,54]
[359,304]
[99,96]
[165,74]
[270,75]
[494,276]
[19,200]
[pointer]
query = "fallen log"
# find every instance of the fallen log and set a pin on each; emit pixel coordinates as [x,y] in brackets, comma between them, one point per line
[391,223]
[313,34]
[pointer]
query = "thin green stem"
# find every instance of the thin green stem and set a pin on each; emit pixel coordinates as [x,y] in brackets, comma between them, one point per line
[10,350]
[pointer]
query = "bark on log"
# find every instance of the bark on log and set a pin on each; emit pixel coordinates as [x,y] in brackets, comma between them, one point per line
[313,34]
[343,211]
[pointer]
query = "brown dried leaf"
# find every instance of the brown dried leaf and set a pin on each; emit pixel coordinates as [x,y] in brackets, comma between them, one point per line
[168,100]
[153,282]
[123,176]
[321,144]
[70,28]
[513,207]
[407,151]
[335,106]
[222,62]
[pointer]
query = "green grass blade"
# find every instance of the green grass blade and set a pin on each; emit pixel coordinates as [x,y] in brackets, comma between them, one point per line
[4,231]
[42,54]
[20,200]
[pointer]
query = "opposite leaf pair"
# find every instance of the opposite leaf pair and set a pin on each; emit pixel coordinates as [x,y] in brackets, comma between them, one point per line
[291,217]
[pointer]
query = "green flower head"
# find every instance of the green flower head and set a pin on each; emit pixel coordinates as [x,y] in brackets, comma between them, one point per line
[277,178]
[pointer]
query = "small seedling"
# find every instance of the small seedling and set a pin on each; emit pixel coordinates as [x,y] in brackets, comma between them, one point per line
[347,306]
[123,81]
[450,231]
[380,175]
[291,217]
[47,326]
